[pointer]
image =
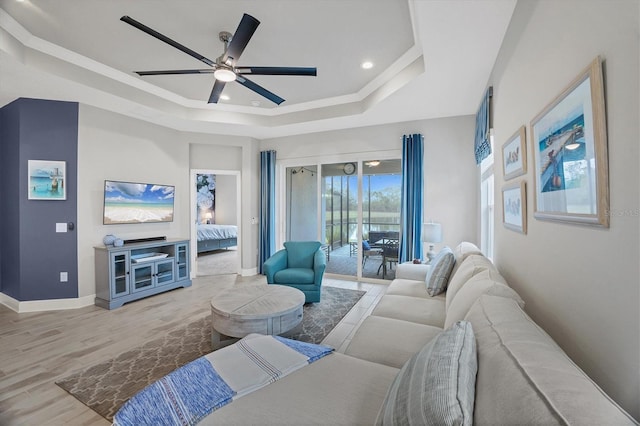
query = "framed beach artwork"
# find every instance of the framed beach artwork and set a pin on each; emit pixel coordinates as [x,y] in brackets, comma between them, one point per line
[569,143]
[514,155]
[47,180]
[514,207]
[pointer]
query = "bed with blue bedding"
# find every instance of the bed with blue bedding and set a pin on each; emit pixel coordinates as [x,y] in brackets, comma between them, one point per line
[216,237]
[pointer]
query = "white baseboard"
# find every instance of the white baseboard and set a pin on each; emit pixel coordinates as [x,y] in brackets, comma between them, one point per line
[249,272]
[46,305]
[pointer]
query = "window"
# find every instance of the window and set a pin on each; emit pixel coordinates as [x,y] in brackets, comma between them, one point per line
[487,203]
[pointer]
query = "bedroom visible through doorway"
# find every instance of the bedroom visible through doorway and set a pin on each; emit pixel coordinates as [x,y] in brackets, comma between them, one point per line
[215,239]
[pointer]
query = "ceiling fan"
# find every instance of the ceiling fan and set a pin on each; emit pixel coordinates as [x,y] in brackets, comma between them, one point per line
[225,68]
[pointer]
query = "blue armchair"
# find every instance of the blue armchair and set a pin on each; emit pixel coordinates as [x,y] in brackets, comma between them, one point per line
[301,265]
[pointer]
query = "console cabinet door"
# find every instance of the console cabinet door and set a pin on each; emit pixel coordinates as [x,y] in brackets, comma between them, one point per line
[182,261]
[164,272]
[119,282]
[142,276]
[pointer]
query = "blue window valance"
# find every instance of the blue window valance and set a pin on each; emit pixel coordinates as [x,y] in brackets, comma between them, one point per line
[482,144]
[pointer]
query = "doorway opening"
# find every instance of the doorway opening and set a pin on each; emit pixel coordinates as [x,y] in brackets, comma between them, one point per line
[215,233]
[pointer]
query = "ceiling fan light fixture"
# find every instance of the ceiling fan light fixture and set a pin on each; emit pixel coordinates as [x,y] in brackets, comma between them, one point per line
[224,74]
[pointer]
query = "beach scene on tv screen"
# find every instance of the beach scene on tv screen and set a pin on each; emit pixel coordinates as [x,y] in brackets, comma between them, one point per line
[126,202]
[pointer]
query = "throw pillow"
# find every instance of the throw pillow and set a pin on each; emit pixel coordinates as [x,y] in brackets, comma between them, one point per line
[438,275]
[365,245]
[437,385]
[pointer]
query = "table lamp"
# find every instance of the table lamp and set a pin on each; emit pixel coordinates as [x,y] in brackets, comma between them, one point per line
[431,234]
[208,216]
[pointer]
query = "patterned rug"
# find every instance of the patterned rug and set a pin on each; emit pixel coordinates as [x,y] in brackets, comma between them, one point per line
[106,386]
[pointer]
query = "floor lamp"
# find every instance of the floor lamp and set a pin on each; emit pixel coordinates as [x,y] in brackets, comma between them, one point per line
[431,234]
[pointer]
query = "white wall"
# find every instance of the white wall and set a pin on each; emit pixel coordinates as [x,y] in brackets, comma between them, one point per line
[115,147]
[450,176]
[112,146]
[580,283]
[215,156]
[226,197]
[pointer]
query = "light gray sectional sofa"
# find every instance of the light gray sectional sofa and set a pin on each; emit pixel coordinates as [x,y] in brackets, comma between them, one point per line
[523,377]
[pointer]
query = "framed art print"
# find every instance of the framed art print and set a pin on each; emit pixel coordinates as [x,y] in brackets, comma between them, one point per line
[569,144]
[514,207]
[514,155]
[47,180]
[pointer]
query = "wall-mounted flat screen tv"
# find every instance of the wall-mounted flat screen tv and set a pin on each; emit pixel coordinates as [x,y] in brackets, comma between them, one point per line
[129,202]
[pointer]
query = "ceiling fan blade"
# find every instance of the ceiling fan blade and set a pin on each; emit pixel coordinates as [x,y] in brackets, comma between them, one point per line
[277,71]
[243,34]
[216,91]
[173,72]
[166,39]
[259,89]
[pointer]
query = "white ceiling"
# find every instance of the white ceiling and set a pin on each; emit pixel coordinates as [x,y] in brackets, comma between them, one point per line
[432,58]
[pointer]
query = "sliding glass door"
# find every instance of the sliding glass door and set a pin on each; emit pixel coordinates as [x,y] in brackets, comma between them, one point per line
[301,202]
[352,208]
[381,184]
[340,216]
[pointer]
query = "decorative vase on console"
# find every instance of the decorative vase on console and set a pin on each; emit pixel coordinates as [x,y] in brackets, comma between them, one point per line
[109,240]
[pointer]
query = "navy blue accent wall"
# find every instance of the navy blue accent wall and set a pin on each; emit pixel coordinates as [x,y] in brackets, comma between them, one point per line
[10,206]
[33,253]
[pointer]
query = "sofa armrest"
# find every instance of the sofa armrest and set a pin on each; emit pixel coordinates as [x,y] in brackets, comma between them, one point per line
[277,262]
[412,271]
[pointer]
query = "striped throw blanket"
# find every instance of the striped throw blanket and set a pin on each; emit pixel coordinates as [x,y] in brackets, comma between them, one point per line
[193,391]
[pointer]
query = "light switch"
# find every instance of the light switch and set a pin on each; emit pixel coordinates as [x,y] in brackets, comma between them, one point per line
[61,227]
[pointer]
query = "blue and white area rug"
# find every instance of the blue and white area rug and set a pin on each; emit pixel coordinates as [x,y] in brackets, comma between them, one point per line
[105,387]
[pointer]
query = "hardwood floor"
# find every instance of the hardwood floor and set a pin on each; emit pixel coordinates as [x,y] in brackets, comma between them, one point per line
[36,349]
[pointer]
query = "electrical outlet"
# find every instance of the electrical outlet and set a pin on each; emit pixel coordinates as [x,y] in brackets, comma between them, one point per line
[64,277]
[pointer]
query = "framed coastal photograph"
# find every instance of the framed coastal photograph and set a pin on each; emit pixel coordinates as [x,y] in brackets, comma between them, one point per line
[569,144]
[514,155]
[514,207]
[47,180]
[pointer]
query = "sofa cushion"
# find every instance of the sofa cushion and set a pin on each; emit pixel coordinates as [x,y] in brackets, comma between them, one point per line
[389,341]
[437,385]
[412,288]
[463,250]
[413,271]
[414,309]
[479,284]
[300,254]
[525,378]
[438,274]
[295,276]
[472,265]
[335,390]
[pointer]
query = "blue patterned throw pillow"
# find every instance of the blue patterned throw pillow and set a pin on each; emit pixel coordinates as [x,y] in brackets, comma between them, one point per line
[438,275]
[437,385]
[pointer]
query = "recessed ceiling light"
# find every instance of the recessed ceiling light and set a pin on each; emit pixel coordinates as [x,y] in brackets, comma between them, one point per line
[367,65]
[225,97]
[255,103]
